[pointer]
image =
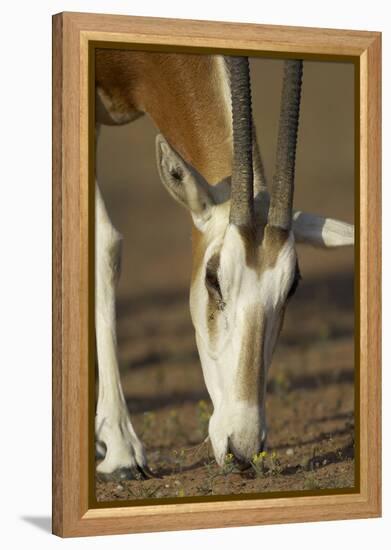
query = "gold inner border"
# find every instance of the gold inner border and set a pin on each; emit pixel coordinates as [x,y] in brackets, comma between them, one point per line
[355,60]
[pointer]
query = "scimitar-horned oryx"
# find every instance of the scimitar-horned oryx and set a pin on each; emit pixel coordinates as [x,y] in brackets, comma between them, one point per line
[245,266]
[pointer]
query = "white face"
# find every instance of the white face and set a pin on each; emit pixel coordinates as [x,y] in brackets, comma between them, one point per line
[238,295]
[240,287]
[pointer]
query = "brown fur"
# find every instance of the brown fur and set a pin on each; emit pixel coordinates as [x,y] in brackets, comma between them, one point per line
[215,299]
[251,364]
[198,247]
[273,240]
[262,257]
[183,96]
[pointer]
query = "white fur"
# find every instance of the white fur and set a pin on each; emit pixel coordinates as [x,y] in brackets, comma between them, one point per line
[243,288]
[112,423]
[323,232]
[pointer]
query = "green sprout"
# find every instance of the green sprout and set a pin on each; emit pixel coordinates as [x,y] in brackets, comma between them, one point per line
[258,463]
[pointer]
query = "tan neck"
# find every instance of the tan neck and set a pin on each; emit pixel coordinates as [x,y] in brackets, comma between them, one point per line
[186,96]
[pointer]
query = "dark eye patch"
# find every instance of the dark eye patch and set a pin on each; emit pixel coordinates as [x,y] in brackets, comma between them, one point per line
[297,278]
[212,282]
[211,278]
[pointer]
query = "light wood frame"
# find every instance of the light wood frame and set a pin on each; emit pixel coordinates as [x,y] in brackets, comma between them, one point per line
[72,34]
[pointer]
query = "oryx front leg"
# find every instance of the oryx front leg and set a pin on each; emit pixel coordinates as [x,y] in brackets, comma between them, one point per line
[124,457]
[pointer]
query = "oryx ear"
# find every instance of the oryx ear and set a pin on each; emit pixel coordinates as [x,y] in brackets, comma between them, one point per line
[183,182]
[322,232]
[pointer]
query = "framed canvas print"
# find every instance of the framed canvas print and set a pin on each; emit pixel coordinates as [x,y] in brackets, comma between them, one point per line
[216,274]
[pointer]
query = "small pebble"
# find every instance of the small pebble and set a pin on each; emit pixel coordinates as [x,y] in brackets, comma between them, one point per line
[289,452]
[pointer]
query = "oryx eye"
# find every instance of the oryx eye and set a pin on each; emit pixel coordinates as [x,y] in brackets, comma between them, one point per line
[295,283]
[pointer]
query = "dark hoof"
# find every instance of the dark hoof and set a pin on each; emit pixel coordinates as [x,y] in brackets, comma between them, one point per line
[100,451]
[241,464]
[147,472]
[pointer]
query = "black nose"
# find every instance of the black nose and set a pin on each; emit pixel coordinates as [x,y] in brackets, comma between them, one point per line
[241,462]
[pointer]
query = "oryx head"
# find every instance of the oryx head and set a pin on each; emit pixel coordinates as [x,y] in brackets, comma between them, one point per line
[245,266]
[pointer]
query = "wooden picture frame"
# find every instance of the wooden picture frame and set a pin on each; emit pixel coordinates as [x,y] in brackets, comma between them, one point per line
[74,37]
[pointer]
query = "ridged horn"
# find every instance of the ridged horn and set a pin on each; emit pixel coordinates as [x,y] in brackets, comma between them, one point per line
[281,200]
[242,204]
[260,184]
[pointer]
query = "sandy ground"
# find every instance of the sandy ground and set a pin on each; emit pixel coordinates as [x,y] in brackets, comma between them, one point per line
[310,403]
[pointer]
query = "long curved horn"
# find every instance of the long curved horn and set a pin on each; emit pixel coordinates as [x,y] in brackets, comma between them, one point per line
[242,205]
[280,212]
